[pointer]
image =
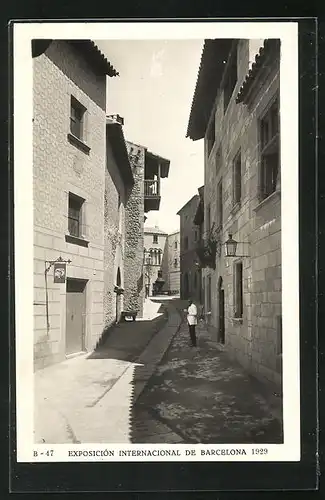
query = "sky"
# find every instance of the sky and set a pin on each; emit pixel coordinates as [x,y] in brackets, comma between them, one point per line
[154,94]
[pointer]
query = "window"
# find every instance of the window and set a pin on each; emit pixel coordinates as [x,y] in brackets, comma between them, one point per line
[209,294]
[175,245]
[237,179]
[218,159]
[175,262]
[195,280]
[208,218]
[270,151]
[195,235]
[220,204]
[230,79]
[186,242]
[159,257]
[238,295]
[211,134]
[74,215]
[77,113]
[279,335]
[119,208]
[155,238]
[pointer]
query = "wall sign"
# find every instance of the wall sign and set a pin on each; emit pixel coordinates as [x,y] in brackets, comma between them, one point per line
[60,272]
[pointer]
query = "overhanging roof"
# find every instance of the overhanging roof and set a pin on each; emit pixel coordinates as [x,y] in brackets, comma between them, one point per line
[89,50]
[154,230]
[270,47]
[213,58]
[114,134]
[187,203]
[199,214]
[156,159]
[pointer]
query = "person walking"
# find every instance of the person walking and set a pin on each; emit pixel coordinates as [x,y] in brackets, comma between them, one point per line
[192,321]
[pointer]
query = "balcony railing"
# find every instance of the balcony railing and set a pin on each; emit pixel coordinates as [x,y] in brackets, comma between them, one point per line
[151,188]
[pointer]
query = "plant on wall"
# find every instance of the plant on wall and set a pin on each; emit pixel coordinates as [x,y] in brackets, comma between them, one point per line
[208,248]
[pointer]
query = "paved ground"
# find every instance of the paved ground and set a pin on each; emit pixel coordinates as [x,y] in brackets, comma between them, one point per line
[89,398]
[199,395]
[145,384]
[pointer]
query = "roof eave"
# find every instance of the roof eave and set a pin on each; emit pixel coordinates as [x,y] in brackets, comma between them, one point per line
[88,48]
[208,80]
[262,60]
[187,203]
[164,163]
[114,134]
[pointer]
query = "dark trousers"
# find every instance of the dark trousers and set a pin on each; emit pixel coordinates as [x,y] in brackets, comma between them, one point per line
[192,334]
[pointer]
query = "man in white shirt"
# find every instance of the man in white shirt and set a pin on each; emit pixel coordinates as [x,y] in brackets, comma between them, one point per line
[192,321]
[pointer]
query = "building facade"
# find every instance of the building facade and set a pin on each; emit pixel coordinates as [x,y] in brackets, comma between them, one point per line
[119,182]
[69,144]
[154,247]
[190,274]
[171,263]
[199,223]
[242,197]
[148,170]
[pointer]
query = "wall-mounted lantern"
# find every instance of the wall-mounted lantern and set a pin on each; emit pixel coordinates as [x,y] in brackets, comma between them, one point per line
[231,247]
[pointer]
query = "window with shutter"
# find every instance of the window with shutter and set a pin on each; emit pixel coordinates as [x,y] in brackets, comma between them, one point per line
[238,289]
[220,205]
[74,215]
[270,151]
[237,179]
[77,112]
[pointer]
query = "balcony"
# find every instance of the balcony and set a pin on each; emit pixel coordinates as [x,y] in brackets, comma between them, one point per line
[151,194]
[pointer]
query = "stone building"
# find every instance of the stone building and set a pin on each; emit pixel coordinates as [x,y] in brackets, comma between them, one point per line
[148,169]
[69,143]
[236,110]
[190,282]
[199,223]
[154,246]
[119,181]
[171,263]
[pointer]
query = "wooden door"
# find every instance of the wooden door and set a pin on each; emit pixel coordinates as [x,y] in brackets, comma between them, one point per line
[75,316]
[222,316]
[221,294]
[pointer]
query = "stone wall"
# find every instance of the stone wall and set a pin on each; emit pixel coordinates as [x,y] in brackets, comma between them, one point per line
[114,217]
[173,254]
[134,221]
[165,265]
[254,340]
[59,167]
[188,256]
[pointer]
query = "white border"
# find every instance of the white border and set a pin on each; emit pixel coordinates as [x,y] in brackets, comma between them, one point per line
[23,199]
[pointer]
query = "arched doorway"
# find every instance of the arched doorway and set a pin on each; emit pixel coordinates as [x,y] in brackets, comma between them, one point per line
[118,296]
[221,296]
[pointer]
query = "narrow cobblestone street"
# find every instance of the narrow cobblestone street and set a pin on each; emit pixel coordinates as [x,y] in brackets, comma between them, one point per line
[145,384]
[100,387]
[200,396]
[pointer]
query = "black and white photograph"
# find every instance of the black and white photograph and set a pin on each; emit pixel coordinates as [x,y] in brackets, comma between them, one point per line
[156,229]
